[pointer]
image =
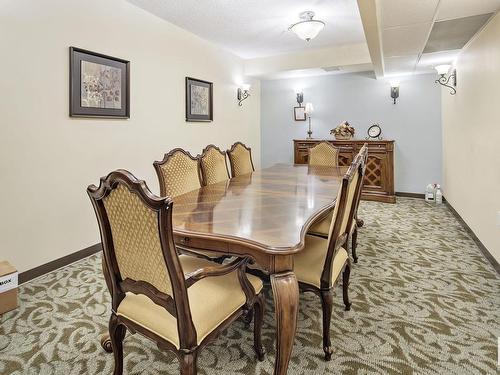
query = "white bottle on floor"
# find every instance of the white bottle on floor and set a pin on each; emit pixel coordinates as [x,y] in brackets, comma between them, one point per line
[429,193]
[438,195]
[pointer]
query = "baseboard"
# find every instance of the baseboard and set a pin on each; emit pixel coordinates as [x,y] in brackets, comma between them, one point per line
[410,195]
[58,263]
[478,242]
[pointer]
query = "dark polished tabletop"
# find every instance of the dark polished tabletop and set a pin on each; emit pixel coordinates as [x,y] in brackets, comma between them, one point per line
[269,209]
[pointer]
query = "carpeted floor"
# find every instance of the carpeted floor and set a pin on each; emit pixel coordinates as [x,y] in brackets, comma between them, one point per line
[425,301]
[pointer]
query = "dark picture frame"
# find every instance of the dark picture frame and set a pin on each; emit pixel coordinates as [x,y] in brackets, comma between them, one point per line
[116,104]
[200,109]
[299,113]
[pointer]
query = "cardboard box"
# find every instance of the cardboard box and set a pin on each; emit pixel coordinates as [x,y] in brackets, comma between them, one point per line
[8,287]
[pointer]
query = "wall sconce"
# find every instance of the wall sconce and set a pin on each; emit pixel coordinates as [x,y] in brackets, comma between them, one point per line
[243,93]
[394,90]
[443,81]
[300,98]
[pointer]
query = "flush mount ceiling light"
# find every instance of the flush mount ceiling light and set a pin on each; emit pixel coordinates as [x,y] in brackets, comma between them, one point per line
[307,28]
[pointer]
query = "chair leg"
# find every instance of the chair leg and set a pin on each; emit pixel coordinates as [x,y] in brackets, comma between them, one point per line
[327,305]
[188,364]
[248,318]
[117,334]
[257,330]
[354,244]
[345,286]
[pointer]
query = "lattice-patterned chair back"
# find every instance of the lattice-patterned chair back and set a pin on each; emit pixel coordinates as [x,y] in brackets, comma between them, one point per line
[178,173]
[343,214]
[240,158]
[137,238]
[213,165]
[324,154]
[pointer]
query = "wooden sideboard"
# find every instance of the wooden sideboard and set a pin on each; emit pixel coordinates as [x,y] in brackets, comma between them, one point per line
[379,177]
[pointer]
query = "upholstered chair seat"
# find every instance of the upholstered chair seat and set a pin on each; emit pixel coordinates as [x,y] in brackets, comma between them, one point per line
[309,262]
[212,300]
[240,158]
[322,227]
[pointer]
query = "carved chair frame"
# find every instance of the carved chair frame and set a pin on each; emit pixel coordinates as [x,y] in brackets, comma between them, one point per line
[177,306]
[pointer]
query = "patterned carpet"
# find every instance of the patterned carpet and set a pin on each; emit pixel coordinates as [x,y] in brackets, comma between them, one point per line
[425,301]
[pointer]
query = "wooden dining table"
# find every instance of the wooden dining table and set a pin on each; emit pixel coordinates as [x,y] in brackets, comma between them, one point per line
[263,215]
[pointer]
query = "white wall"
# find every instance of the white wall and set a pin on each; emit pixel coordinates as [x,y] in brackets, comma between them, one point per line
[471,136]
[414,122]
[48,159]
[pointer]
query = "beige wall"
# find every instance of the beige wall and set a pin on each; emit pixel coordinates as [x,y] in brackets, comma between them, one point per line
[471,137]
[48,159]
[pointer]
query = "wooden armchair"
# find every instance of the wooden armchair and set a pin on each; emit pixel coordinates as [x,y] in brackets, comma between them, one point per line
[213,165]
[319,265]
[240,159]
[180,302]
[324,154]
[322,227]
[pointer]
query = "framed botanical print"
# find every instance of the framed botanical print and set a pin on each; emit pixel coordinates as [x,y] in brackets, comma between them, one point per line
[299,113]
[99,85]
[199,100]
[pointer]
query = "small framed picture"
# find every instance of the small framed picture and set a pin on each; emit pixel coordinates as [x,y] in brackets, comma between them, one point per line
[99,85]
[299,113]
[199,100]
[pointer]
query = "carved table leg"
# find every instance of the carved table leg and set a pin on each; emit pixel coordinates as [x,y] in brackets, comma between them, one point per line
[286,302]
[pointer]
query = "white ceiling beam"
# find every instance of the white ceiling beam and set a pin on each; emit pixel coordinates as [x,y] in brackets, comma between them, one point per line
[352,54]
[370,17]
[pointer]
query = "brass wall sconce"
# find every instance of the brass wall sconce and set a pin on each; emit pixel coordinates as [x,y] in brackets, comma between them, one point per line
[443,81]
[243,93]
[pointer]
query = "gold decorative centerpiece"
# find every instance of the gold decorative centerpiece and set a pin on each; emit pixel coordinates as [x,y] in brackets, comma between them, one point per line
[343,131]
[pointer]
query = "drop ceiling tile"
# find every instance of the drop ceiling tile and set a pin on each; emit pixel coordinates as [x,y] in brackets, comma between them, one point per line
[454,34]
[449,9]
[405,40]
[407,12]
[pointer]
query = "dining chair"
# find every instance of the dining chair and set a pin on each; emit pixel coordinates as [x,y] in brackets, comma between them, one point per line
[179,173]
[321,228]
[213,165]
[319,265]
[324,154]
[180,302]
[357,222]
[240,159]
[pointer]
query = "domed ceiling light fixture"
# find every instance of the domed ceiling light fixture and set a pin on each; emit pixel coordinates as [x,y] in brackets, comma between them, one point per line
[307,28]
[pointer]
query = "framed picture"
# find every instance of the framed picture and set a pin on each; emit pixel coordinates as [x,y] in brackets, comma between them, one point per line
[299,113]
[199,100]
[99,85]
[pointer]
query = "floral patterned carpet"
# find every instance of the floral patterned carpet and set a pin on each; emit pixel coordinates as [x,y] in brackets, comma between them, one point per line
[425,301]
